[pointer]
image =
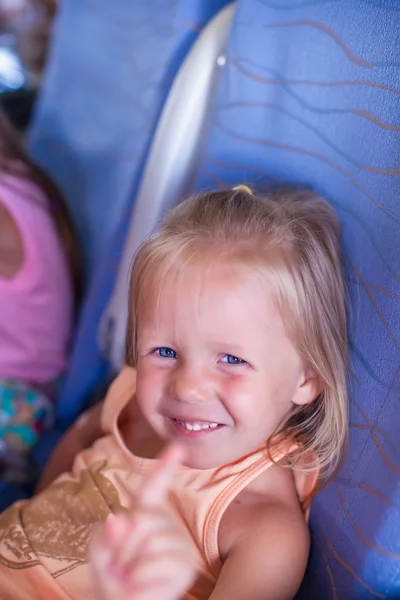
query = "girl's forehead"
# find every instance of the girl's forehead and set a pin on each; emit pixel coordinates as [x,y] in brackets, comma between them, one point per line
[209,291]
[224,267]
[203,278]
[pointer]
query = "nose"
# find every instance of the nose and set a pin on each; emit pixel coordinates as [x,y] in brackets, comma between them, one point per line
[191,385]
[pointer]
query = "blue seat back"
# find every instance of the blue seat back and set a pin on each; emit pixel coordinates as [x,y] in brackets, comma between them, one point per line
[310,93]
[110,68]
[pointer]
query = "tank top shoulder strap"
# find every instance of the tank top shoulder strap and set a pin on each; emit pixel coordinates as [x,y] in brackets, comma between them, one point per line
[226,483]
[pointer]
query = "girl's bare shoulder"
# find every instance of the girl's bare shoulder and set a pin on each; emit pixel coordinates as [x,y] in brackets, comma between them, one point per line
[274,491]
[11,246]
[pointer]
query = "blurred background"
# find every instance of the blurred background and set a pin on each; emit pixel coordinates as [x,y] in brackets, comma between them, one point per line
[25,30]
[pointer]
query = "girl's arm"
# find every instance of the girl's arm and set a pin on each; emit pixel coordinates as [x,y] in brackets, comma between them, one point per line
[268,560]
[81,435]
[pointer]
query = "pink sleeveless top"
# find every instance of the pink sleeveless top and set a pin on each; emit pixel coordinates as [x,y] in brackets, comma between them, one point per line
[36,305]
[43,542]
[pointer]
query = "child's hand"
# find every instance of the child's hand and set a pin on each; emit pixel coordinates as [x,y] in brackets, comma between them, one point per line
[143,556]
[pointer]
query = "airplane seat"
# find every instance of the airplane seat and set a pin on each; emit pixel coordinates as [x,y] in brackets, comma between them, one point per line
[308,92]
[109,71]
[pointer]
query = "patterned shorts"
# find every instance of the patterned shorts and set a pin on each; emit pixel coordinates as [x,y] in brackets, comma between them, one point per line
[24,413]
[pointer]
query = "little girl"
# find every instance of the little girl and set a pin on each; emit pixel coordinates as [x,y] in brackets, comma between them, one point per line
[38,270]
[236,373]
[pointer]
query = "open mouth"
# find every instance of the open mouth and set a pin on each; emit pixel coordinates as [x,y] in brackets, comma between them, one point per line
[194,428]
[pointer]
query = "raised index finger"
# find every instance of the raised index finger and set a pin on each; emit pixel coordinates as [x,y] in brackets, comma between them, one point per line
[154,489]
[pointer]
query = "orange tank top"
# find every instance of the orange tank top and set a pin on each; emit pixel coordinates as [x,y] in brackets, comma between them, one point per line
[44,541]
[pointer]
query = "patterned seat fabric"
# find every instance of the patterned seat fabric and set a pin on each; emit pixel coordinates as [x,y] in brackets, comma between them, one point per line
[310,93]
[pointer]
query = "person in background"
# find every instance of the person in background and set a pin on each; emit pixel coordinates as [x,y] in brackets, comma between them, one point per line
[40,282]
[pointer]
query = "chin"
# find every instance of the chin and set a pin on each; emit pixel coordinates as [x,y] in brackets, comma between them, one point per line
[204,460]
[201,464]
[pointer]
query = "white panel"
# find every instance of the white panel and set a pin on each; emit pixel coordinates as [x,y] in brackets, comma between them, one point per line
[172,162]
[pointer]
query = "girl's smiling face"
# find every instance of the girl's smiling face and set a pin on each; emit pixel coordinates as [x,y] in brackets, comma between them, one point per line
[215,366]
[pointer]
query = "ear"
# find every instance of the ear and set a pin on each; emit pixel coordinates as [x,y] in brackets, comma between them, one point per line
[310,387]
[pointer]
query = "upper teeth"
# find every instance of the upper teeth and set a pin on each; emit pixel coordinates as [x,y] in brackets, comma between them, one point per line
[197,426]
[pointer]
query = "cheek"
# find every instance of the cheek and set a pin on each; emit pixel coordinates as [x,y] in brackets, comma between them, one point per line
[149,382]
[260,398]
[239,393]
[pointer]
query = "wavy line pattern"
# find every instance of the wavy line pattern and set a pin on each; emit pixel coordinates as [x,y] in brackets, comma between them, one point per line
[330,32]
[382,291]
[356,352]
[217,181]
[288,84]
[322,84]
[318,133]
[236,167]
[361,535]
[375,305]
[363,485]
[281,6]
[274,144]
[388,442]
[375,439]
[346,566]
[371,286]
[331,577]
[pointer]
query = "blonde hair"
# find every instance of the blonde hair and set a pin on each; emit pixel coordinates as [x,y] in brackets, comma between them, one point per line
[293,238]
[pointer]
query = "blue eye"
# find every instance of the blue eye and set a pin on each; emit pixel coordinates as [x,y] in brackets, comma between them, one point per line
[166,352]
[232,360]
